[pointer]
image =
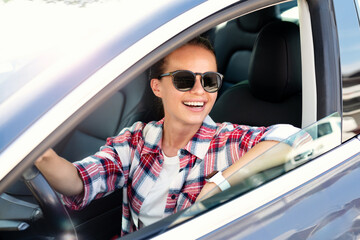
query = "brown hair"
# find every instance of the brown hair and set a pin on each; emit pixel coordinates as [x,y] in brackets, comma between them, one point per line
[158,68]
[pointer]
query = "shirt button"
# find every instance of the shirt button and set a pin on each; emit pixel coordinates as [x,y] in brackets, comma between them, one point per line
[173,196]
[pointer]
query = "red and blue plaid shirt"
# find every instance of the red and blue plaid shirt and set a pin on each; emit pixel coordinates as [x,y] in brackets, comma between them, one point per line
[133,160]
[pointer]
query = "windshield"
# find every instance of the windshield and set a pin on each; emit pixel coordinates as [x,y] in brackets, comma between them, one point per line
[293,152]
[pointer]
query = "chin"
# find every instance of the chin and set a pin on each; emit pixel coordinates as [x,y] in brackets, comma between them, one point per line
[195,120]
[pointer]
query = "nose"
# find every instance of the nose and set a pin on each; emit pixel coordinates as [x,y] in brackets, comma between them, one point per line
[198,88]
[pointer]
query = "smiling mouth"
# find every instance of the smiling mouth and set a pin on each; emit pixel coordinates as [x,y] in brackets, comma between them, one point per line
[194,104]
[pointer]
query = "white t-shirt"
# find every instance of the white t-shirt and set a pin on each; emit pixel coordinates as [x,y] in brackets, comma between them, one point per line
[154,204]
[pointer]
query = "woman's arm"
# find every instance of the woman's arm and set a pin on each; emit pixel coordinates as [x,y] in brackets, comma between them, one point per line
[237,174]
[60,173]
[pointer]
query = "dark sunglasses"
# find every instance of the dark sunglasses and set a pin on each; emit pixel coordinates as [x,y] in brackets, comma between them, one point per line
[184,80]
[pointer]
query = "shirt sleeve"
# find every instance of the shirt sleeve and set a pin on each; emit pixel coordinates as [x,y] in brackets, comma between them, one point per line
[288,134]
[106,170]
[279,132]
[248,136]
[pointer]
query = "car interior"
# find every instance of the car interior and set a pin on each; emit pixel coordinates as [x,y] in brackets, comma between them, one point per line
[258,54]
[272,92]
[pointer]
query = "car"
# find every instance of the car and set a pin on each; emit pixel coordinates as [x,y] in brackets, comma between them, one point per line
[73,73]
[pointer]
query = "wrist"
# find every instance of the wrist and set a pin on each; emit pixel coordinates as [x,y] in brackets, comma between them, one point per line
[217,178]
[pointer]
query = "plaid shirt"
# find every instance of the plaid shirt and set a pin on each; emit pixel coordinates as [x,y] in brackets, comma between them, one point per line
[133,160]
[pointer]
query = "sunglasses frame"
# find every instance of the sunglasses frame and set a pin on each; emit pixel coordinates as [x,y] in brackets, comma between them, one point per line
[194,74]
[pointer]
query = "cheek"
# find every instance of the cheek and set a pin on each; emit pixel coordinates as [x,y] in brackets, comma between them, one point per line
[213,97]
[211,102]
[162,89]
[171,96]
[169,93]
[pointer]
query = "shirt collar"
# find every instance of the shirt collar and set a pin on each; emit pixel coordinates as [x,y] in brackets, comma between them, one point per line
[198,145]
[152,135]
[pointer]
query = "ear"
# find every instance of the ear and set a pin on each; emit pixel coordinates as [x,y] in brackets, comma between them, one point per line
[155,86]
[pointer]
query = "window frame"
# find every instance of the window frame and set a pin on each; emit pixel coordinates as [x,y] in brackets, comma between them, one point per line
[261,196]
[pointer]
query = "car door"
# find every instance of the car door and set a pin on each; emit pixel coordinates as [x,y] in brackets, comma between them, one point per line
[316,200]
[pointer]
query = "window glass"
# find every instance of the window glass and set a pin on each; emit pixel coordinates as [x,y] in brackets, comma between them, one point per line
[291,14]
[347,21]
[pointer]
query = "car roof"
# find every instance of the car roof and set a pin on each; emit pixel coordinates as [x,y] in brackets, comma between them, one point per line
[76,50]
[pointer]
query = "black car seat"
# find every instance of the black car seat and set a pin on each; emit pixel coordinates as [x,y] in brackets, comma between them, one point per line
[273,92]
[233,44]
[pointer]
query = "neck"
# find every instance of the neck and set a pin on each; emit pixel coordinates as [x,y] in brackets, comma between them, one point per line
[176,136]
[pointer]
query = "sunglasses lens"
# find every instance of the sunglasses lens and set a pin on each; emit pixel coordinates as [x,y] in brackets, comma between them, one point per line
[211,81]
[184,80]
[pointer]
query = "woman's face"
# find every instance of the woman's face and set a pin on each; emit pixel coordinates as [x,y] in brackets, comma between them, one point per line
[191,107]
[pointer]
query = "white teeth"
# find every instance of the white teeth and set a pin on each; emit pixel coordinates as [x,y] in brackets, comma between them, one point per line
[194,104]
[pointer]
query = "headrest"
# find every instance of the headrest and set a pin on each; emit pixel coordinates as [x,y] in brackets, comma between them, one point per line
[255,21]
[275,65]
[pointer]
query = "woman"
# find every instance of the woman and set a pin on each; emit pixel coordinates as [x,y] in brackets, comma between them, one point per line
[162,166]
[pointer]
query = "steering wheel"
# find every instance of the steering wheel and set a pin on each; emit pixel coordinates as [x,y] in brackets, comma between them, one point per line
[50,203]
